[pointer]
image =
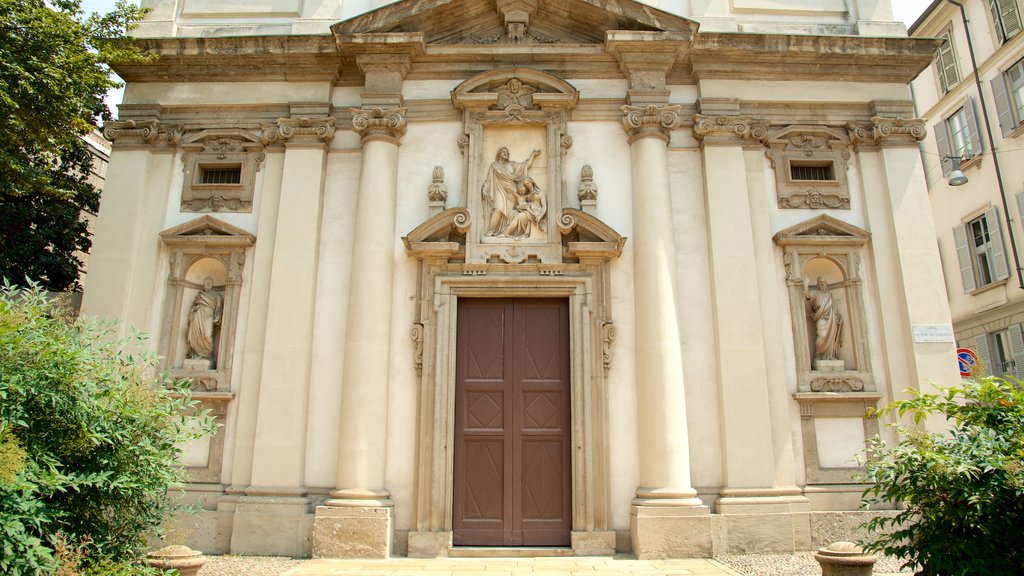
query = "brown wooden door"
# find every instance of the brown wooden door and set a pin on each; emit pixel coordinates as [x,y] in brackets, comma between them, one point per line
[512,443]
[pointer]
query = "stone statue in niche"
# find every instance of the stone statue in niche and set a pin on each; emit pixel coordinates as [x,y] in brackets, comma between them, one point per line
[501,190]
[828,327]
[531,208]
[203,316]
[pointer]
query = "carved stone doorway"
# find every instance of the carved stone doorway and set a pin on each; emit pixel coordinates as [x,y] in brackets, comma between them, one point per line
[512,423]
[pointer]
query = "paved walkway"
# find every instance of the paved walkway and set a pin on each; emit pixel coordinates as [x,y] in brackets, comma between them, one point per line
[582,566]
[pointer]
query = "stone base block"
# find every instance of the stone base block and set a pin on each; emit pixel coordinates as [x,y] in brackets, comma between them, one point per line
[764,524]
[593,543]
[835,526]
[671,532]
[429,544]
[271,526]
[197,364]
[352,532]
[830,365]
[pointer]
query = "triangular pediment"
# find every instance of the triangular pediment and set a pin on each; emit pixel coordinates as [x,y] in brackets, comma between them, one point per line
[823,228]
[207,230]
[527,22]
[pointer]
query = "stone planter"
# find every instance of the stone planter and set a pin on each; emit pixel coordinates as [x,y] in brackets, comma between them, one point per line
[186,560]
[845,559]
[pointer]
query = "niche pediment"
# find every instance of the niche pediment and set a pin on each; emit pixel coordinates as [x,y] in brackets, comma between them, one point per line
[515,22]
[443,234]
[823,229]
[207,230]
[584,235]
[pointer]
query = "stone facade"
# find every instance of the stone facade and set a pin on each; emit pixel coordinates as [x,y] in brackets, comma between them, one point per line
[336,180]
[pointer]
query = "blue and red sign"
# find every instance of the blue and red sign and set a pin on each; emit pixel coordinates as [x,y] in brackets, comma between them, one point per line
[967,360]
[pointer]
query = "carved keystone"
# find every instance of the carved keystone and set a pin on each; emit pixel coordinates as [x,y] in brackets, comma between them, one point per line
[845,559]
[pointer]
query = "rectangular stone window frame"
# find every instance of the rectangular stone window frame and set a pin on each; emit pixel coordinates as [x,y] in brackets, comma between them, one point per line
[981,253]
[218,175]
[797,146]
[220,150]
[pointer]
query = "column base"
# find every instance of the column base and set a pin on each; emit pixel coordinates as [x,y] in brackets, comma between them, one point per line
[769,523]
[429,544]
[593,543]
[671,532]
[352,532]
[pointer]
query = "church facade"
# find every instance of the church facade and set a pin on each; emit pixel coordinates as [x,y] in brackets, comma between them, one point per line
[587,275]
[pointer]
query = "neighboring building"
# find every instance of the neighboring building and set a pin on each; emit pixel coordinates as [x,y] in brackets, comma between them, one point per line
[100,149]
[577,273]
[978,222]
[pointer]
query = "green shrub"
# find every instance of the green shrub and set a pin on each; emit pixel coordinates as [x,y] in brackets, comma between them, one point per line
[962,490]
[89,440]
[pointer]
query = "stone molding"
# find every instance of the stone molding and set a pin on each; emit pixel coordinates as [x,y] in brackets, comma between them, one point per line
[651,121]
[385,124]
[145,133]
[728,130]
[888,131]
[300,131]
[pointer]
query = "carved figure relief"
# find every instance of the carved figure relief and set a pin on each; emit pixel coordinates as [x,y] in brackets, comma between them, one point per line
[515,93]
[203,318]
[501,192]
[531,208]
[828,323]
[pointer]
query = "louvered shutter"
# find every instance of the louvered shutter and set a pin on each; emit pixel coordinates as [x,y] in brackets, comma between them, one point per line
[942,143]
[1003,110]
[972,127]
[1020,205]
[1010,15]
[1017,350]
[981,347]
[946,62]
[1000,271]
[963,255]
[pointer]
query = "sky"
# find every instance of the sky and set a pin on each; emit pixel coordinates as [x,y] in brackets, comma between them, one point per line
[905,11]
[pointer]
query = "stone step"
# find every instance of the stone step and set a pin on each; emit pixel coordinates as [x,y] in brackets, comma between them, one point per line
[508,552]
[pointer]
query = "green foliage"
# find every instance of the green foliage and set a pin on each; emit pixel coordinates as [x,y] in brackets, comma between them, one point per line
[89,441]
[963,490]
[54,73]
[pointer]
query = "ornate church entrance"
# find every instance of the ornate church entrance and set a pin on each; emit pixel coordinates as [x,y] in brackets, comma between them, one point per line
[512,423]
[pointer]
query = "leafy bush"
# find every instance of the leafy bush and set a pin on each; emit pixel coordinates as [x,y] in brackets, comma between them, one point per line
[963,490]
[89,440]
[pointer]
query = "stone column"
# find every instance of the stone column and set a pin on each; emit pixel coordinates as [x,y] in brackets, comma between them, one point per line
[357,520]
[908,271]
[123,273]
[276,495]
[750,496]
[667,517]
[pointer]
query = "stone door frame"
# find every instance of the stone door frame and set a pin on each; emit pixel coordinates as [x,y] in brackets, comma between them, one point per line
[434,489]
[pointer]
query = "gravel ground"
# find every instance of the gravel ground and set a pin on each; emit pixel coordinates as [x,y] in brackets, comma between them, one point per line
[799,564]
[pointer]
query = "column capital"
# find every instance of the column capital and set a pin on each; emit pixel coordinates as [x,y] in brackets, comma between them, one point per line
[142,133]
[387,124]
[728,130]
[651,121]
[300,131]
[887,131]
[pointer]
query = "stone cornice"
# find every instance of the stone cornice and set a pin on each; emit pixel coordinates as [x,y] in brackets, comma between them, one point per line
[886,131]
[387,124]
[300,131]
[728,130]
[150,132]
[651,121]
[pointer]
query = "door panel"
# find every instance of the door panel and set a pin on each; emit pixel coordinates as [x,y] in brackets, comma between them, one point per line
[512,400]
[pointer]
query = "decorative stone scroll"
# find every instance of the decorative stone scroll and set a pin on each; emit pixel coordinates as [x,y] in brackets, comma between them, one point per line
[810,165]
[300,131]
[650,121]
[728,129]
[220,150]
[886,130]
[387,124]
[142,133]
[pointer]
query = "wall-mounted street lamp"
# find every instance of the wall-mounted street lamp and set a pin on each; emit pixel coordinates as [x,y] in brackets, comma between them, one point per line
[957,178]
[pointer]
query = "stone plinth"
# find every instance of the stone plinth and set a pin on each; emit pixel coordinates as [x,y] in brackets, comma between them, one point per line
[671,532]
[197,364]
[429,544]
[181,558]
[593,543]
[845,559]
[830,365]
[352,532]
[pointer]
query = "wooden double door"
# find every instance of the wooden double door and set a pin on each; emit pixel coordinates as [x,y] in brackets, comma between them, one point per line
[512,423]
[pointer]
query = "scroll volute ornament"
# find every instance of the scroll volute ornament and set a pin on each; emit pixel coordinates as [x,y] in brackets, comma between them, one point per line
[387,124]
[651,121]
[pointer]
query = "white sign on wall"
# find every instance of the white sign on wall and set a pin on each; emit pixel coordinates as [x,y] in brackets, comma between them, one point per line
[933,333]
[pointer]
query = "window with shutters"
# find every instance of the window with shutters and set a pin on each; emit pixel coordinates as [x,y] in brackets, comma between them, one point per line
[979,246]
[1006,17]
[945,63]
[958,137]
[1008,89]
[1001,352]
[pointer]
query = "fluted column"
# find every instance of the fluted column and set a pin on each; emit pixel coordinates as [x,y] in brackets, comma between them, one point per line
[666,504]
[356,523]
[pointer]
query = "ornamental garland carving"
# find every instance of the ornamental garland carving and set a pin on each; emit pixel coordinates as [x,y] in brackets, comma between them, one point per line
[892,130]
[728,129]
[379,123]
[837,384]
[311,130]
[651,121]
[142,132]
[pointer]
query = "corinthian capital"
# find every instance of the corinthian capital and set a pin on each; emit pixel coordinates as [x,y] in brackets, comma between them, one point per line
[651,121]
[888,131]
[142,133]
[728,130]
[386,124]
[317,131]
